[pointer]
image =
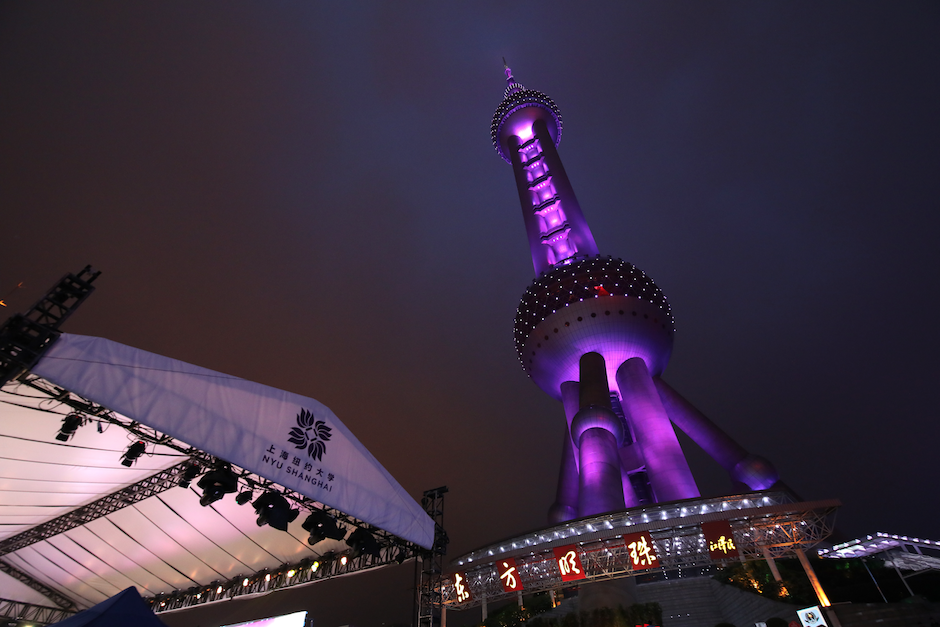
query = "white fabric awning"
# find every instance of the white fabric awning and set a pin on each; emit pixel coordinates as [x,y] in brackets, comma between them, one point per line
[290,439]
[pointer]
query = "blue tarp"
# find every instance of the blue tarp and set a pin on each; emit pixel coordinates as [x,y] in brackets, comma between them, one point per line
[123,609]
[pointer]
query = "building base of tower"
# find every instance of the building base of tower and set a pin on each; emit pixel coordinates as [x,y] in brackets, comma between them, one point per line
[662,541]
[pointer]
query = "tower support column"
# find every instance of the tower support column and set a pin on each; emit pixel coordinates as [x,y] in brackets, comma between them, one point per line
[565,506]
[665,463]
[752,470]
[599,433]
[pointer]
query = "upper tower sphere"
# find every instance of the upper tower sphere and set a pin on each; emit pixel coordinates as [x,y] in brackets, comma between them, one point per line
[517,112]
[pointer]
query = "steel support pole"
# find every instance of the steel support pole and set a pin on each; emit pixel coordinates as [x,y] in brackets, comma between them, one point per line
[813,579]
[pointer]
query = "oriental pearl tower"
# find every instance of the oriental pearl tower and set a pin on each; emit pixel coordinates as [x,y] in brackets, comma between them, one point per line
[596,333]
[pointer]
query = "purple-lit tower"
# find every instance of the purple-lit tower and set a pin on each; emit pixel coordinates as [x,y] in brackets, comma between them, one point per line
[596,333]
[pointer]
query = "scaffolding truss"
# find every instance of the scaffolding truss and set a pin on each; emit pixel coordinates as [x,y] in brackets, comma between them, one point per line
[26,613]
[25,337]
[429,569]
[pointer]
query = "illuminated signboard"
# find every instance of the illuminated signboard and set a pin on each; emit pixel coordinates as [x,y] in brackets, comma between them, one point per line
[509,575]
[569,563]
[642,552]
[461,589]
[720,540]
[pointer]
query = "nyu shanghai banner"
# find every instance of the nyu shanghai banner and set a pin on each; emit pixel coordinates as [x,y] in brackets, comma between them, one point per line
[290,439]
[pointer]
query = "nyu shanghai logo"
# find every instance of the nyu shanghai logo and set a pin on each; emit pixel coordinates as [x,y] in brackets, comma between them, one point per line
[310,434]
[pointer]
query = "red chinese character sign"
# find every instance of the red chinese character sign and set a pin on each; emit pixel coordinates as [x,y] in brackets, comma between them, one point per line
[569,563]
[509,575]
[642,552]
[461,589]
[720,540]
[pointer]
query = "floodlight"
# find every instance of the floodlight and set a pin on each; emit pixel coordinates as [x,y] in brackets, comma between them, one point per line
[133,451]
[274,510]
[191,471]
[217,484]
[322,526]
[361,541]
[244,497]
[70,425]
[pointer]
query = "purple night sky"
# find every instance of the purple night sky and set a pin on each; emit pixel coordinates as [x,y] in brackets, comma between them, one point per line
[307,196]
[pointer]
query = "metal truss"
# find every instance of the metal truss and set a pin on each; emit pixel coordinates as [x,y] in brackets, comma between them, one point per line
[429,569]
[134,493]
[757,521]
[61,600]
[306,571]
[25,337]
[17,611]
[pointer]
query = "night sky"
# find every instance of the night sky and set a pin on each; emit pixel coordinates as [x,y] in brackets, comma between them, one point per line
[306,196]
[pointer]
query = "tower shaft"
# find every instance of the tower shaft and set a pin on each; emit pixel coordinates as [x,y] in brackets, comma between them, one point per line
[555,226]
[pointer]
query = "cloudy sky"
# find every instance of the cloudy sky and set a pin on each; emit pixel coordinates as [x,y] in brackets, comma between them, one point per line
[306,196]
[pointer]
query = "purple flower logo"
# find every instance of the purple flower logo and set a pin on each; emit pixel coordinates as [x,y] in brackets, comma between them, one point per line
[310,435]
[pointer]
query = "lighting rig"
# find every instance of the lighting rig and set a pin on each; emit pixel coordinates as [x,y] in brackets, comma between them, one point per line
[276,506]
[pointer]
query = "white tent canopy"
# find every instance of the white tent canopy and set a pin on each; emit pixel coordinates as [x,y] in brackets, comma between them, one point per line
[168,541]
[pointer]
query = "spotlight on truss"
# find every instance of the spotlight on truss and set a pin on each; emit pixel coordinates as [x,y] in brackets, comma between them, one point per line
[361,541]
[133,451]
[191,471]
[274,510]
[70,425]
[322,526]
[244,497]
[216,484]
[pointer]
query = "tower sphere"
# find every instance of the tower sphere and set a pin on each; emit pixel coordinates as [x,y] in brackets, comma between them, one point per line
[599,304]
[517,112]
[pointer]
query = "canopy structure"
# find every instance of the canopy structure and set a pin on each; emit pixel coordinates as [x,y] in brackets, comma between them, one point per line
[78,526]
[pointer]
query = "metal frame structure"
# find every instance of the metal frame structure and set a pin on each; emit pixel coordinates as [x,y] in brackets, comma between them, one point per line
[62,601]
[285,576]
[429,569]
[17,612]
[25,337]
[759,521]
[900,552]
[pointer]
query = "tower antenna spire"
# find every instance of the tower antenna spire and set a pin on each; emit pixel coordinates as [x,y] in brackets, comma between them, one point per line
[509,78]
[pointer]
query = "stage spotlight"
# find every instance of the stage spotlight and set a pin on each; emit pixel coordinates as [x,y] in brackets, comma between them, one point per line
[189,473]
[133,451]
[274,510]
[322,526]
[244,497]
[70,425]
[217,484]
[361,541]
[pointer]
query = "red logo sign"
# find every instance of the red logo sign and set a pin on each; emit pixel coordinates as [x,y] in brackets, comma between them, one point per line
[461,589]
[642,552]
[509,575]
[720,540]
[569,563]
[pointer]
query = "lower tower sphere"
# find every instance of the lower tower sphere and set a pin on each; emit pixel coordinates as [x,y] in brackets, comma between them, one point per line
[599,304]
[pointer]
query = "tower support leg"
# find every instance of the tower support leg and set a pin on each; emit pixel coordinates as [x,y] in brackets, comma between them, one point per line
[599,433]
[752,470]
[771,564]
[565,506]
[665,463]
